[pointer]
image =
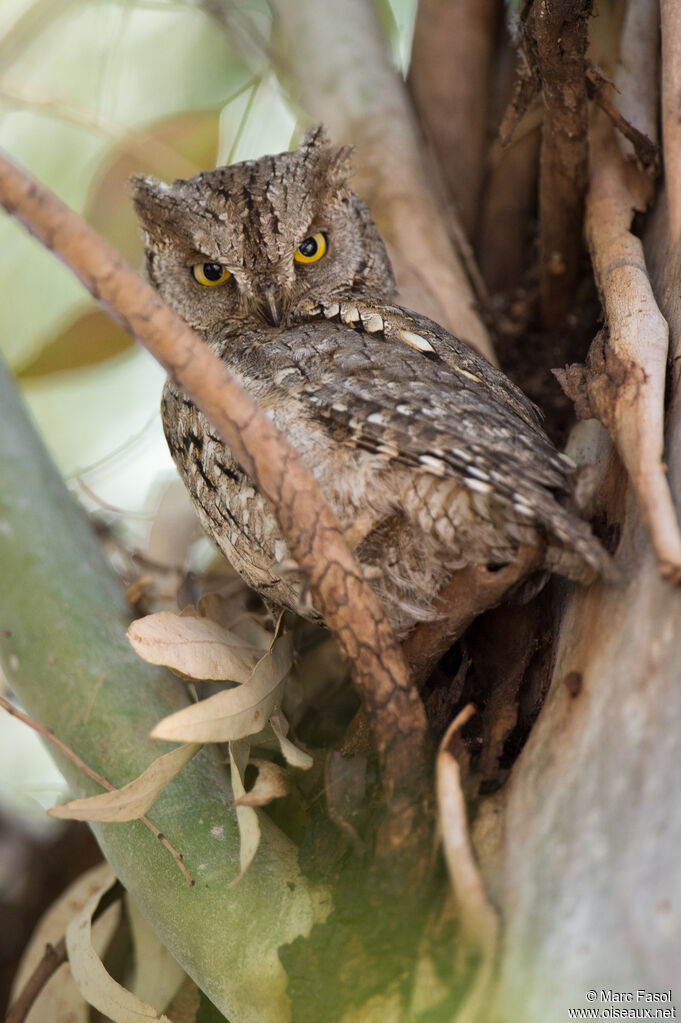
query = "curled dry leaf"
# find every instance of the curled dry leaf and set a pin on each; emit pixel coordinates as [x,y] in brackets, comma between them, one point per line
[272,782]
[479,924]
[246,817]
[92,980]
[292,754]
[135,798]
[60,999]
[193,647]
[234,713]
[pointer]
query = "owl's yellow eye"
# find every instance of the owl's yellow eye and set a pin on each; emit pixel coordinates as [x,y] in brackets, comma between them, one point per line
[312,249]
[210,274]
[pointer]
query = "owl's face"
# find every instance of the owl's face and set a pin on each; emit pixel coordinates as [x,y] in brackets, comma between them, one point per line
[250,242]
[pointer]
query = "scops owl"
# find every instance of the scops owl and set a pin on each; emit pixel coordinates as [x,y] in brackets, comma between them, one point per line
[430,457]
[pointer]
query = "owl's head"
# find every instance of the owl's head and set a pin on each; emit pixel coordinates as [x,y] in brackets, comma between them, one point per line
[249,242]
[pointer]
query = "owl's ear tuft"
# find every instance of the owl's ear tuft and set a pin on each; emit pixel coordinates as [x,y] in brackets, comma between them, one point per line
[315,138]
[338,168]
[157,207]
[332,163]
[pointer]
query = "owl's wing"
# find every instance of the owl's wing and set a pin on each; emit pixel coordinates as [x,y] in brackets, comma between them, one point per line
[456,433]
[429,341]
[385,399]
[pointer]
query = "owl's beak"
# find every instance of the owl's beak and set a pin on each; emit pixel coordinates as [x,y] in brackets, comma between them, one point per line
[273,306]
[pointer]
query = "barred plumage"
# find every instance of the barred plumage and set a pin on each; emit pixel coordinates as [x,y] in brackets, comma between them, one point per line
[430,457]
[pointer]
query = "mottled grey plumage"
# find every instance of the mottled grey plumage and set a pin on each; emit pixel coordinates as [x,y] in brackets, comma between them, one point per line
[430,457]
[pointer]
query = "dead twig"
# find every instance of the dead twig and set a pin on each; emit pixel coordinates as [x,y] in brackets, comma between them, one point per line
[311,530]
[478,920]
[48,734]
[647,152]
[524,94]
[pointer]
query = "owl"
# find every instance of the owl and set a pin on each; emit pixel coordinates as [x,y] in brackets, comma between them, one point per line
[429,456]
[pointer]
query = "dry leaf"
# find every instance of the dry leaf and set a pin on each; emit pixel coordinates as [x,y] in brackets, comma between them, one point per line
[247,818]
[234,713]
[228,612]
[60,999]
[292,754]
[193,647]
[92,980]
[135,798]
[479,926]
[272,782]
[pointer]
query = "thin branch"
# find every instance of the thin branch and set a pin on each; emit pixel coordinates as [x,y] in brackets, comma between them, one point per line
[143,146]
[509,204]
[311,530]
[27,29]
[647,151]
[48,734]
[53,957]
[522,99]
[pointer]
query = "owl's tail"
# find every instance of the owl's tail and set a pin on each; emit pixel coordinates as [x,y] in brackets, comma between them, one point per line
[572,550]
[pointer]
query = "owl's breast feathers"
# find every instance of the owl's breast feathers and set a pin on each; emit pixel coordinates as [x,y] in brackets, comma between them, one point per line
[442,457]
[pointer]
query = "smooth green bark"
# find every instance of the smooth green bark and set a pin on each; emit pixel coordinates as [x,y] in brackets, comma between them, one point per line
[63,617]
